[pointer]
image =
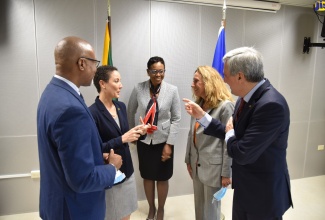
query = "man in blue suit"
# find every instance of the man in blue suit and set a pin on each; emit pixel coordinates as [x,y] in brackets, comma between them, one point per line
[256,137]
[73,173]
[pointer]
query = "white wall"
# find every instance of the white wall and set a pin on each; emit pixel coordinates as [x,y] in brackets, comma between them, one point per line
[185,36]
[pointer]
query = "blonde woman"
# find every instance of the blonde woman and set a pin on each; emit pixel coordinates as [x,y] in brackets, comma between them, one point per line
[206,157]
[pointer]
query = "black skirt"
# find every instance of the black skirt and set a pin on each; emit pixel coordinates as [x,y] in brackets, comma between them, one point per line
[150,165]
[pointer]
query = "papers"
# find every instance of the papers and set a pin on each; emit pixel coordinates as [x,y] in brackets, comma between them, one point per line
[119,176]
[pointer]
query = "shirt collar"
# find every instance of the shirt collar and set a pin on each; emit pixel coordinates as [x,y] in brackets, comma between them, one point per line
[69,83]
[250,93]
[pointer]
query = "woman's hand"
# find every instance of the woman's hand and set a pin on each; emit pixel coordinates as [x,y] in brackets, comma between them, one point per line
[143,127]
[193,109]
[225,181]
[166,153]
[132,135]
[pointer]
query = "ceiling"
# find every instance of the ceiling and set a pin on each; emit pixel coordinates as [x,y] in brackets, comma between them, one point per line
[302,3]
[299,3]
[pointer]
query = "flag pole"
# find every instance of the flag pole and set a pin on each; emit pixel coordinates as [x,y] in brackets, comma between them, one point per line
[220,49]
[224,8]
[109,8]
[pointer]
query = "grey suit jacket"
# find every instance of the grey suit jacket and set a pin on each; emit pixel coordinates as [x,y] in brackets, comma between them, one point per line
[210,153]
[169,111]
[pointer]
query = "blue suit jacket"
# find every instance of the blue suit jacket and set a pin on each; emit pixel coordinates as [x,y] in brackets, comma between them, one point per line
[111,133]
[73,173]
[260,174]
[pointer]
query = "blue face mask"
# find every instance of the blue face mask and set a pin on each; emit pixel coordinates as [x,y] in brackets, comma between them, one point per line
[219,194]
[119,176]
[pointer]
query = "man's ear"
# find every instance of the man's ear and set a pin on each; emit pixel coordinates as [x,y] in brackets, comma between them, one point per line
[81,64]
[240,76]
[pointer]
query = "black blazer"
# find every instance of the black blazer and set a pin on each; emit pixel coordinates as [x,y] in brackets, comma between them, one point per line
[259,170]
[111,133]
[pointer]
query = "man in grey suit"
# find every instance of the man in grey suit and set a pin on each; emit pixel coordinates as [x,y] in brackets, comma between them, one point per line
[257,138]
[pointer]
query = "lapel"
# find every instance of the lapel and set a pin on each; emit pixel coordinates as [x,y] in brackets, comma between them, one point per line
[200,129]
[65,86]
[257,95]
[162,94]
[120,116]
[236,107]
[108,116]
[250,104]
[146,91]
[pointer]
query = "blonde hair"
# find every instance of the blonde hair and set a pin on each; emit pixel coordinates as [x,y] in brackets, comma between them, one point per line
[215,88]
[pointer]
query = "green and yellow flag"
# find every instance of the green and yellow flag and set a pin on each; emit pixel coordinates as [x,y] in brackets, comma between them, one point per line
[107,49]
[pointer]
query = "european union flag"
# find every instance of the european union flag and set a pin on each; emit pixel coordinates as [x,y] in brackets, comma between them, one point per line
[220,51]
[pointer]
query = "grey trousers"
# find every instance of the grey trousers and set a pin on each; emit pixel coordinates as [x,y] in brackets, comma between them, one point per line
[203,194]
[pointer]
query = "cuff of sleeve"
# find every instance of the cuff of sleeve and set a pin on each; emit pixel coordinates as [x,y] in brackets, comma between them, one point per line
[229,134]
[205,120]
[113,166]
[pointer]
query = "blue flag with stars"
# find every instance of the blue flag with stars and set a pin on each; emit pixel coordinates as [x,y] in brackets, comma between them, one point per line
[220,51]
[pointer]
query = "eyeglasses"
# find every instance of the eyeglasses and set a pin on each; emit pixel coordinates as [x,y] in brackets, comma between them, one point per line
[97,61]
[161,72]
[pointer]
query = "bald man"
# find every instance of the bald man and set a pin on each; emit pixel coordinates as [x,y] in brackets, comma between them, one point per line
[73,173]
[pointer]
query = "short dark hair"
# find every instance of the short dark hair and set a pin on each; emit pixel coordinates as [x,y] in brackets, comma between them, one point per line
[154,60]
[103,73]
